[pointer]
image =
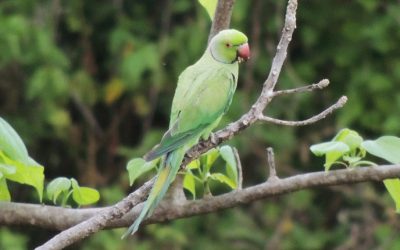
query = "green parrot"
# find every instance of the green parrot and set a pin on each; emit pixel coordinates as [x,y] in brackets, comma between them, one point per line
[203,94]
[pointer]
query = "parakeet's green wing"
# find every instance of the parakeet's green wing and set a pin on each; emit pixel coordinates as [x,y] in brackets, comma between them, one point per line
[208,98]
[185,81]
[170,143]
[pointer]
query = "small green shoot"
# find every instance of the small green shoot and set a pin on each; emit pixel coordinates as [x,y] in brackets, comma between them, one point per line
[349,149]
[198,171]
[63,188]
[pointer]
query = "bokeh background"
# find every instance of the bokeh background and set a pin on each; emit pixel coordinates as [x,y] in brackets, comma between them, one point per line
[88,85]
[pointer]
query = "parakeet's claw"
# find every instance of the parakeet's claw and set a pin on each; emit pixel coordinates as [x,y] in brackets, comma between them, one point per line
[213,138]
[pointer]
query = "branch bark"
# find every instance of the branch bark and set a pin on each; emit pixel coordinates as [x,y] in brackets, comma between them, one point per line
[320,85]
[59,218]
[339,104]
[222,17]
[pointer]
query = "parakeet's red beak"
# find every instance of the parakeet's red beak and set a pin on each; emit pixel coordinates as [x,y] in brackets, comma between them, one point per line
[243,52]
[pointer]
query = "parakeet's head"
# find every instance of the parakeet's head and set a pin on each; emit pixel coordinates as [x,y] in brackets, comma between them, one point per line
[229,46]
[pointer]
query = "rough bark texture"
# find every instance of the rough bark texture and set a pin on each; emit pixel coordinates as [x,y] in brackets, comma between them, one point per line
[59,218]
[222,17]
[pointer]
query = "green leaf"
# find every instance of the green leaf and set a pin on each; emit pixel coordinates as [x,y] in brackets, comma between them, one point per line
[327,147]
[211,157]
[7,169]
[393,187]
[195,164]
[11,144]
[228,155]
[56,187]
[4,193]
[332,150]
[25,174]
[137,167]
[210,6]
[385,147]
[84,195]
[189,184]
[223,179]
[351,159]
[350,137]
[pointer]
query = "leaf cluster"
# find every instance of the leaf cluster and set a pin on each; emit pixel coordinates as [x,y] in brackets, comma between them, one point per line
[196,172]
[17,166]
[348,148]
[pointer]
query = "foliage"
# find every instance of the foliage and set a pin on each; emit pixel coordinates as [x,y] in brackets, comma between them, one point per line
[15,163]
[198,171]
[349,149]
[65,187]
[346,145]
[138,166]
[210,6]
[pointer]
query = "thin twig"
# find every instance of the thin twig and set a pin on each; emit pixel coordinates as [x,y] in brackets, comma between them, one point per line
[320,85]
[339,104]
[271,164]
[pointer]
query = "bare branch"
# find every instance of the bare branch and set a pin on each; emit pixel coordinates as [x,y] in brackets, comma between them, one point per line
[339,104]
[320,85]
[281,49]
[49,216]
[271,164]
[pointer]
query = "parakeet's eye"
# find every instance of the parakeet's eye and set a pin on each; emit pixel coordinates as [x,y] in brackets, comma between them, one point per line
[228,45]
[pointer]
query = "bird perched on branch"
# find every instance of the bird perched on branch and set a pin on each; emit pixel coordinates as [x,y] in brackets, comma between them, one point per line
[203,94]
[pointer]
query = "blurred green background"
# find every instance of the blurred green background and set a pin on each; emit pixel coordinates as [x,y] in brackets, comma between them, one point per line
[88,85]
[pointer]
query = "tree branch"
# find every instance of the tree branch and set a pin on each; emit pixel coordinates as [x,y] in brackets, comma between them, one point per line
[60,218]
[271,165]
[222,17]
[320,85]
[339,104]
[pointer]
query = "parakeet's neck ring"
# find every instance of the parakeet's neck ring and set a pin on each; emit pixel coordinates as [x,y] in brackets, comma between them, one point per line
[216,59]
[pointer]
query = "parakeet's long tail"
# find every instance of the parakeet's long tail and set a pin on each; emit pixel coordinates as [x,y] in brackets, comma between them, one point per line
[164,178]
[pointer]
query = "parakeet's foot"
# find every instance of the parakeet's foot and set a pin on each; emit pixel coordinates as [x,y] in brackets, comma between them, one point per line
[213,138]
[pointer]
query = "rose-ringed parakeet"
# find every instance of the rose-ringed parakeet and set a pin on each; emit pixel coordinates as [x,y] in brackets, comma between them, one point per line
[203,94]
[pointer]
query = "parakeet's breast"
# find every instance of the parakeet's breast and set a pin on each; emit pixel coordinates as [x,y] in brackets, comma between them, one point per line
[205,73]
